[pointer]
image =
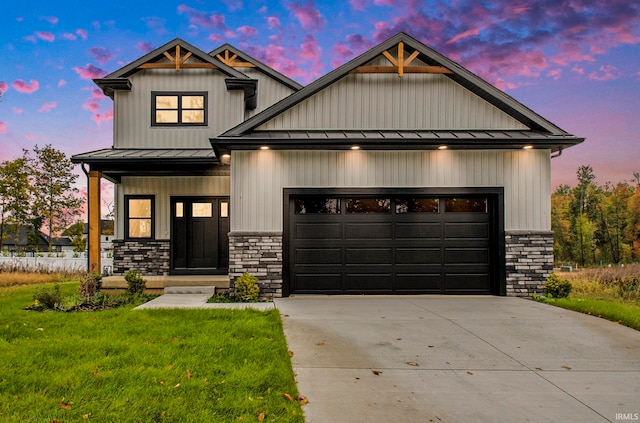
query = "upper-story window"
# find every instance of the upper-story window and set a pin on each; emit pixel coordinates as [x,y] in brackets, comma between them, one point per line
[178,108]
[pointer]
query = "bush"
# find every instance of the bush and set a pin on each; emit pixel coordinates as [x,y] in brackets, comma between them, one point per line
[49,299]
[247,288]
[90,286]
[557,287]
[135,283]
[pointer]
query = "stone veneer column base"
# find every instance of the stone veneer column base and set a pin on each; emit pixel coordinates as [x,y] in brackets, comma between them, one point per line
[147,257]
[260,255]
[529,260]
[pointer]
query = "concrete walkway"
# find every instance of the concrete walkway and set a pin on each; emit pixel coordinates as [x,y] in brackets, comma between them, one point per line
[458,359]
[197,301]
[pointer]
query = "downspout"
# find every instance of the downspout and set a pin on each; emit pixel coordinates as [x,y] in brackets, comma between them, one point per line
[558,154]
[86,172]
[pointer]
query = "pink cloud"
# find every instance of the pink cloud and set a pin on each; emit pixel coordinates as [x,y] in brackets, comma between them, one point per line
[144,46]
[216,38]
[30,137]
[309,49]
[156,24]
[24,87]
[3,127]
[578,69]
[273,22]
[606,73]
[3,87]
[89,72]
[358,4]
[51,19]
[99,118]
[46,107]
[31,38]
[555,73]
[307,14]
[46,36]
[69,36]
[200,18]
[342,54]
[93,103]
[247,30]
[17,110]
[62,83]
[82,33]
[101,54]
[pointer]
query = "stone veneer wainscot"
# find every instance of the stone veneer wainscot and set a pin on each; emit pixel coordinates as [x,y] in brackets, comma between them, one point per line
[529,260]
[259,254]
[147,257]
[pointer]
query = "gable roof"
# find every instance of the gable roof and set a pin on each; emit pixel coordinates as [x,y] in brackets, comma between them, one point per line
[541,129]
[267,70]
[118,80]
[23,237]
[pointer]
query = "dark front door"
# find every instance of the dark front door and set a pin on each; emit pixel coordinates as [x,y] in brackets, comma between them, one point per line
[200,234]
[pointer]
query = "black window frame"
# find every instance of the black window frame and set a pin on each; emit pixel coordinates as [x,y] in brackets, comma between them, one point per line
[127,218]
[179,110]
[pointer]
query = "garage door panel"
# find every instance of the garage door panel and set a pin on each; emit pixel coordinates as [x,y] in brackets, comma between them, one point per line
[418,282]
[315,230]
[413,230]
[368,256]
[467,282]
[462,256]
[464,230]
[318,282]
[362,282]
[368,230]
[306,256]
[418,256]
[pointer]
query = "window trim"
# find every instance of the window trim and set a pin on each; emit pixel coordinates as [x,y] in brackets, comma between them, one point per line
[179,110]
[127,218]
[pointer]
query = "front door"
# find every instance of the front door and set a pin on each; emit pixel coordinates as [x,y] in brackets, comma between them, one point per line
[199,238]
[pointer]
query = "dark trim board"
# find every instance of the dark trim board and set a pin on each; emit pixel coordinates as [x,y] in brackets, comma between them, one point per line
[495,196]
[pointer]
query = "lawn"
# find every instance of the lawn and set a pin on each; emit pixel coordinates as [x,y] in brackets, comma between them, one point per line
[123,365]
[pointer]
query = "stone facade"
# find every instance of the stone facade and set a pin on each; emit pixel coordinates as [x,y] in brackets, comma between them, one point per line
[149,258]
[259,254]
[529,260]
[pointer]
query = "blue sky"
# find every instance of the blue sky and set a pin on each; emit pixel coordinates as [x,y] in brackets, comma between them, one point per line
[577,62]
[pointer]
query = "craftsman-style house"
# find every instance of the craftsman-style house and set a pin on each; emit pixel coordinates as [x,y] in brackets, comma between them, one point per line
[398,172]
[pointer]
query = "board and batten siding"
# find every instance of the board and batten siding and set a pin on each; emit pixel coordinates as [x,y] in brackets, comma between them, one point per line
[163,188]
[269,91]
[132,109]
[384,101]
[258,178]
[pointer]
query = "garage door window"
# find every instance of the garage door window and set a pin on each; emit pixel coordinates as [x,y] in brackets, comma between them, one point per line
[417,205]
[316,205]
[368,205]
[465,205]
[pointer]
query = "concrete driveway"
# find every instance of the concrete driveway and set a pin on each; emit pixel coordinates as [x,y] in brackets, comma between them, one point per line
[459,359]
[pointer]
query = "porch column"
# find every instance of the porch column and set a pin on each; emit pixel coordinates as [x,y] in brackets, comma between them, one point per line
[93,212]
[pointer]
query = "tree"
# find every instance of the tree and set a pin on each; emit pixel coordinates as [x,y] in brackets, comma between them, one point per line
[15,196]
[563,237]
[78,240]
[57,200]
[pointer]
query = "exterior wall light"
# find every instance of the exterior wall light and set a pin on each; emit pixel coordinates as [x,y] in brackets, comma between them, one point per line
[527,147]
[355,147]
[264,147]
[442,147]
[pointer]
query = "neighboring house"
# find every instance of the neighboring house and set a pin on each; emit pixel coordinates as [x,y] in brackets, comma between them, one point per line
[398,172]
[13,245]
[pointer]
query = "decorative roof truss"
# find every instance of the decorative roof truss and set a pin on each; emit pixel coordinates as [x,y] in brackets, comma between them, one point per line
[400,65]
[178,62]
[231,61]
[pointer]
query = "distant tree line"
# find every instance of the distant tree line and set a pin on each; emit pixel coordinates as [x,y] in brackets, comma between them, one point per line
[596,224]
[37,192]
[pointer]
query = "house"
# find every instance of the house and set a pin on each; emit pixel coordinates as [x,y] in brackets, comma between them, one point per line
[398,172]
[20,240]
[106,234]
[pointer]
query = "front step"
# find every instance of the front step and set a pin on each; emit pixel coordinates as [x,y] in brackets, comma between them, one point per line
[208,290]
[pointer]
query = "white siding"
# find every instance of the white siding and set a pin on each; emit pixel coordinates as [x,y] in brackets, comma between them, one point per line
[270,91]
[164,188]
[132,120]
[385,101]
[259,177]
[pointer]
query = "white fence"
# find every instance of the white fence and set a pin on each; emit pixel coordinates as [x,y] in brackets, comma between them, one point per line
[53,264]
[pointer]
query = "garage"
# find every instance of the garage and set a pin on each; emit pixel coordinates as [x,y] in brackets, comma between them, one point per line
[385,241]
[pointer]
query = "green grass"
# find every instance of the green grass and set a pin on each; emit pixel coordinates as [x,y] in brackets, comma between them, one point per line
[142,366]
[625,314]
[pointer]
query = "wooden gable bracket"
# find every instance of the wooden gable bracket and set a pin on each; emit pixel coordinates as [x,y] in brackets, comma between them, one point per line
[401,65]
[177,62]
[231,61]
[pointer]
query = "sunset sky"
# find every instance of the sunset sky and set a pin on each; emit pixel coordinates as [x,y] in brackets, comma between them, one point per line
[575,62]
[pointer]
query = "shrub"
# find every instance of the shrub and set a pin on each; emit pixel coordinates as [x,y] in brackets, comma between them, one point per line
[247,288]
[556,287]
[49,299]
[90,286]
[135,283]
